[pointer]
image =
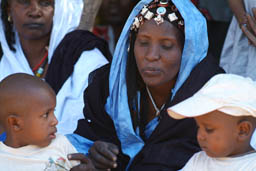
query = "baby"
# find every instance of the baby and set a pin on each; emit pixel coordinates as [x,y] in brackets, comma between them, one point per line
[27,115]
[224,110]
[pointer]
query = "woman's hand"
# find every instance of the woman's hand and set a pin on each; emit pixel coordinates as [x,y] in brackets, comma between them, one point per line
[86,163]
[104,155]
[250,29]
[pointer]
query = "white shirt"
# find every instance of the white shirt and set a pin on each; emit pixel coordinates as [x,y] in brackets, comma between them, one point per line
[33,158]
[201,162]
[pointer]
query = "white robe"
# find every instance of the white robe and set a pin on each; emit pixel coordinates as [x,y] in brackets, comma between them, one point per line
[238,56]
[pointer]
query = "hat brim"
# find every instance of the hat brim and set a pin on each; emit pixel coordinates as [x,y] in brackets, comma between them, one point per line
[193,107]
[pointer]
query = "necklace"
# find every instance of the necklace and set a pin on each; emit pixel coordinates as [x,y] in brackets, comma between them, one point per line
[154,104]
[39,68]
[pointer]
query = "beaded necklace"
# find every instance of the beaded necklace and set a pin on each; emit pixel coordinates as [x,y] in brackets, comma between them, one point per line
[39,68]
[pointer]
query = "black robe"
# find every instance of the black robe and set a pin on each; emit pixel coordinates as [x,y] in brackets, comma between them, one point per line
[68,53]
[171,144]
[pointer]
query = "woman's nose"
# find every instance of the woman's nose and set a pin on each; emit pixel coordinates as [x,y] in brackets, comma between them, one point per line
[153,53]
[34,10]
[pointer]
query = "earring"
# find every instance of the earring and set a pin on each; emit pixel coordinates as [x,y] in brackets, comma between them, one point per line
[9,18]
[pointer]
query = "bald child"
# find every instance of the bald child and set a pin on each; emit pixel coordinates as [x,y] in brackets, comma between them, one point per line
[27,106]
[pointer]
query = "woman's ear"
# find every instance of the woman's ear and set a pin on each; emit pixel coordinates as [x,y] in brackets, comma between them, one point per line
[15,122]
[245,129]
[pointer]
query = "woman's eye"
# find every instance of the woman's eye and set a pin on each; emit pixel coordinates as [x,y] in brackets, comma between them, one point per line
[23,1]
[143,43]
[167,47]
[46,3]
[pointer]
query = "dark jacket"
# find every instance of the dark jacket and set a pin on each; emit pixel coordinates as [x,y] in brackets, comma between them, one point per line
[171,144]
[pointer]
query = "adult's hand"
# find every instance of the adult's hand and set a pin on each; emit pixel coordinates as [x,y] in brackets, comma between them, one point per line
[85,165]
[104,155]
[250,29]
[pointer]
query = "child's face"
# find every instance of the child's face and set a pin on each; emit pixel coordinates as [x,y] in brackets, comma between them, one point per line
[217,134]
[39,120]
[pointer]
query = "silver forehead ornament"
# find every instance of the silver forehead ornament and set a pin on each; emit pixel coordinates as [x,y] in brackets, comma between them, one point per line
[161,11]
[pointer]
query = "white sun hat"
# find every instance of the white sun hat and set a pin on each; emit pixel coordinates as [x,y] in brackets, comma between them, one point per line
[232,94]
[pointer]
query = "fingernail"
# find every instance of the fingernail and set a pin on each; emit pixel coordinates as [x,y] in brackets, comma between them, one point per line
[115,165]
[114,158]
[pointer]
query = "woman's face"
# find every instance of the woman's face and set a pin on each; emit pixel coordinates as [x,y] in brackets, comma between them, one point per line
[32,18]
[158,51]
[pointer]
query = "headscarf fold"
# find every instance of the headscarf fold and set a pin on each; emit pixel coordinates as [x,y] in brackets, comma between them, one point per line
[195,49]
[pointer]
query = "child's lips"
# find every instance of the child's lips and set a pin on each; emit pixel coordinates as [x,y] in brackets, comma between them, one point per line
[52,135]
[204,148]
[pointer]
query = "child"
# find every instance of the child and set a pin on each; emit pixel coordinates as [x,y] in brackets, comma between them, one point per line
[225,111]
[27,115]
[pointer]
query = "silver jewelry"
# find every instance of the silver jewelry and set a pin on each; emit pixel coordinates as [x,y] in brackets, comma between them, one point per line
[136,22]
[159,19]
[149,15]
[154,104]
[144,10]
[172,17]
[181,23]
[161,11]
[164,2]
[9,19]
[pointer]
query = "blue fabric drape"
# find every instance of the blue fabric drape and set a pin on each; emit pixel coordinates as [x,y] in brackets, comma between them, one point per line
[195,49]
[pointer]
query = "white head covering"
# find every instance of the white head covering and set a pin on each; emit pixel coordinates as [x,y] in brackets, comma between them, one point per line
[67,14]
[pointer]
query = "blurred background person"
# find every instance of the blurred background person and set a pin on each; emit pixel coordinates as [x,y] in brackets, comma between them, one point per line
[111,19]
[239,51]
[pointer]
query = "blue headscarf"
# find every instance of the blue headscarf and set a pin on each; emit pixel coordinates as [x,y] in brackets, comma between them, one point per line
[195,49]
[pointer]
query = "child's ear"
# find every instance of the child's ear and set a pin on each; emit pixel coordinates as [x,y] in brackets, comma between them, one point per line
[15,122]
[245,129]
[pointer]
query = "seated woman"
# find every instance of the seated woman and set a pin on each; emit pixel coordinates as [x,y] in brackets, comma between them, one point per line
[31,32]
[159,61]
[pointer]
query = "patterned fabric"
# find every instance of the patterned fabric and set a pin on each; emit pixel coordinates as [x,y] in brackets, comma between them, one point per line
[161,12]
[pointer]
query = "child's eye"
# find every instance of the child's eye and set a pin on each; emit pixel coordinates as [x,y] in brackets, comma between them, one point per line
[45,115]
[209,130]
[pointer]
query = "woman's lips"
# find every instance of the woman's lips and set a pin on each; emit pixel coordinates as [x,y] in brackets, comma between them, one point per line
[33,25]
[151,71]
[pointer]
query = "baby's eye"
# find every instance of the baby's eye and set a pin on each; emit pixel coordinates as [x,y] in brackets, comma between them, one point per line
[209,130]
[45,115]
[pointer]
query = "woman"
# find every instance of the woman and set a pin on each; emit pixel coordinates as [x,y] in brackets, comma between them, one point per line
[239,50]
[31,32]
[158,62]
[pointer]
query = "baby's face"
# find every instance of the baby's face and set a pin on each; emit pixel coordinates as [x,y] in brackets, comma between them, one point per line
[217,134]
[40,121]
